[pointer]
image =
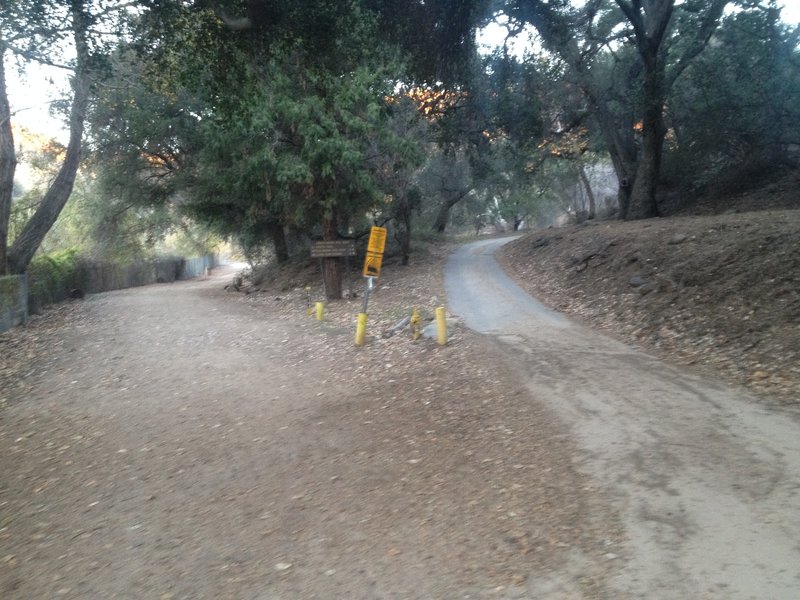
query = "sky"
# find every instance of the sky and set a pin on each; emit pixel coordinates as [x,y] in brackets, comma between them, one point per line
[493,35]
[32,95]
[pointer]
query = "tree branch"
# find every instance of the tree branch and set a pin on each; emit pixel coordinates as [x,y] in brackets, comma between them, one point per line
[699,42]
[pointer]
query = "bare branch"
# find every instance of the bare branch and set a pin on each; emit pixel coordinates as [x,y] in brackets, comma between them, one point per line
[36,57]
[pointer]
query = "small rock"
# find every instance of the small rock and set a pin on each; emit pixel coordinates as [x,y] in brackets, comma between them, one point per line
[637,281]
[678,238]
[430,331]
[759,375]
[283,566]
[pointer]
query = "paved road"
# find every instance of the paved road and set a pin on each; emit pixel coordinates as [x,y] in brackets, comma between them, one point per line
[707,481]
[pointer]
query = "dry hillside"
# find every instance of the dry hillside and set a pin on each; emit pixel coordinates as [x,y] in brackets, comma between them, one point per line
[718,292]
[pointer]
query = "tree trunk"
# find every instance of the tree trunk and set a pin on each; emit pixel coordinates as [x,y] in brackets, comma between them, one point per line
[589,193]
[404,239]
[650,20]
[650,25]
[31,236]
[403,214]
[625,167]
[440,222]
[8,165]
[619,141]
[278,236]
[443,216]
[643,204]
[331,266]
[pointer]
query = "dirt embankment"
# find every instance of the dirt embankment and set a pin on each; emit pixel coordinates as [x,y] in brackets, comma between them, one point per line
[720,293]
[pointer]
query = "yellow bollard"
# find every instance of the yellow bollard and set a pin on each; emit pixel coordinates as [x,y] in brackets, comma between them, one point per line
[415,322]
[441,326]
[361,328]
[320,311]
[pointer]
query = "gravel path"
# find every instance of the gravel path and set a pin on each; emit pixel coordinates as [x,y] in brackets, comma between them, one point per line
[706,480]
[176,441]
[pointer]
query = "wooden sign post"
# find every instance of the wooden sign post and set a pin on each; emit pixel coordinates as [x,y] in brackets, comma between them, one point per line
[332,249]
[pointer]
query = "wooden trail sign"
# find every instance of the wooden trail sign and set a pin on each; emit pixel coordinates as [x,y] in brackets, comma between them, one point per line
[328,249]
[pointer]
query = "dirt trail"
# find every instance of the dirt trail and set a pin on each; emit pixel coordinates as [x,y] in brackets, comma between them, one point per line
[707,481]
[175,441]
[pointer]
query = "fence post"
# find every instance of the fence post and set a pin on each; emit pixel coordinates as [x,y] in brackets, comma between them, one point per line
[22,298]
[13,301]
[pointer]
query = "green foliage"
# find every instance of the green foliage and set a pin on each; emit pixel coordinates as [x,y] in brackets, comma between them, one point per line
[260,121]
[22,208]
[9,291]
[301,148]
[737,108]
[51,276]
[33,26]
[191,239]
[41,31]
[281,126]
[99,224]
[515,94]
[437,36]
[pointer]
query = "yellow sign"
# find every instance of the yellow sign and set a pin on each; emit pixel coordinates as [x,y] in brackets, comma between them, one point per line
[377,242]
[372,264]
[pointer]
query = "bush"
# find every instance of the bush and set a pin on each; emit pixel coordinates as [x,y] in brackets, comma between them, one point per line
[52,276]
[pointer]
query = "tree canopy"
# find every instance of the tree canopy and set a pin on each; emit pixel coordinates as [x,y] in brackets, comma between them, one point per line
[274,122]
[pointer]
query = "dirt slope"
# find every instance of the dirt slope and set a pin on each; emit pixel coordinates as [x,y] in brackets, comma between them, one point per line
[720,293]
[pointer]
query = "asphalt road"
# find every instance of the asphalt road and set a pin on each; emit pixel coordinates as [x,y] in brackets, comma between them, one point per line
[706,479]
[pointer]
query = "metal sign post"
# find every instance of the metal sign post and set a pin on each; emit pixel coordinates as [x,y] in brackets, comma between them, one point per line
[372,269]
[361,323]
[365,302]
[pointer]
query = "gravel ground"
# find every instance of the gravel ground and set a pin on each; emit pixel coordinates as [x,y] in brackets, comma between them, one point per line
[179,441]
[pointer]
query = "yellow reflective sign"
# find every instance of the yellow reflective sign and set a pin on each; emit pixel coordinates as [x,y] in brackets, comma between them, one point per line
[372,264]
[377,240]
